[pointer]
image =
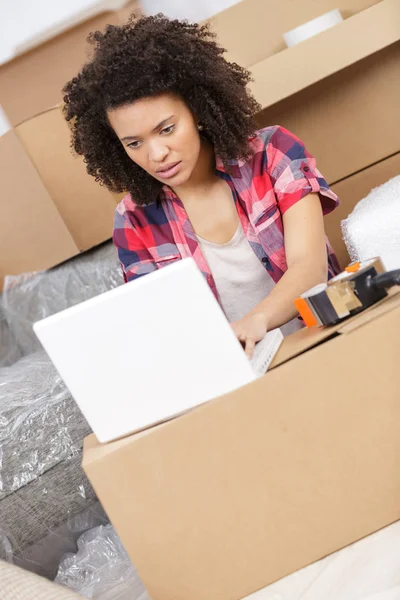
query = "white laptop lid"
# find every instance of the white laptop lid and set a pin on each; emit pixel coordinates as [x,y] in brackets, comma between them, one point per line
[146,351]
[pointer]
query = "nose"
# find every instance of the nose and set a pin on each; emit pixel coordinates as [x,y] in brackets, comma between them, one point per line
[158,151]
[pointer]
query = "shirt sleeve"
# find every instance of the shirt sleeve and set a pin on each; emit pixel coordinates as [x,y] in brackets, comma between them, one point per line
[294,173]
[133,255]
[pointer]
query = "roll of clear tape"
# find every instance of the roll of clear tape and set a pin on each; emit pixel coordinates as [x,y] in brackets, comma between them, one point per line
[313,27]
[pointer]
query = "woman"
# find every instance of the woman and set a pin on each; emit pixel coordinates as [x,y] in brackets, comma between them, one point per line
[159,113]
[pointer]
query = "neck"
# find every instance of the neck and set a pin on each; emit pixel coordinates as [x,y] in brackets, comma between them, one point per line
[203,176]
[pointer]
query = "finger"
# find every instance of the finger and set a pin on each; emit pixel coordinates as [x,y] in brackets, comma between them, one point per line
[241,338]
[249,347]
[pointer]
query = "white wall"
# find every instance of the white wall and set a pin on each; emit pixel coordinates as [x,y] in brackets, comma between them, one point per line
[26,23]
[193,10]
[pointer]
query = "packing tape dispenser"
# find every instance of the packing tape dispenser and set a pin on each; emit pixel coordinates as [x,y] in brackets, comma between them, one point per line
[361,285]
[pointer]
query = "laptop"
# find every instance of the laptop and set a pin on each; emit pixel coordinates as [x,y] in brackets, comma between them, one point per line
[149,350]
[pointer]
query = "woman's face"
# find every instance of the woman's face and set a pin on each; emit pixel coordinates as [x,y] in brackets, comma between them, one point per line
[159,134]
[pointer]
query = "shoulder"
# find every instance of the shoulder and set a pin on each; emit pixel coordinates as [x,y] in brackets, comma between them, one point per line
[274,136]
[127,206]
[130,214]
[274,148]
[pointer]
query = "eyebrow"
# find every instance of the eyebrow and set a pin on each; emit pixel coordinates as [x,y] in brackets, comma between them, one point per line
[129,138]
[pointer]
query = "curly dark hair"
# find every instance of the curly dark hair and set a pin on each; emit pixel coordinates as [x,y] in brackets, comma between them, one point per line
[144,57]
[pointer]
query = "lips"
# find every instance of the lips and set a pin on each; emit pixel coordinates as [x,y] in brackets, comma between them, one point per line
[169,170]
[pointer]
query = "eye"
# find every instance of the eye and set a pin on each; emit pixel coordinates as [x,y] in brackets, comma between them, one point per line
[134,144]
[167,130]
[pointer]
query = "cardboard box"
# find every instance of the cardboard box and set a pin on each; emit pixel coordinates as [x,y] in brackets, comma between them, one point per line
[262,22]
[32,82]
[344,111]
[337,48]
[350,191]
[254,485]
[51,209]
[348,121]
[338,91]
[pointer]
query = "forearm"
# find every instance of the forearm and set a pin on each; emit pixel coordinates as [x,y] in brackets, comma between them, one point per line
[278,307]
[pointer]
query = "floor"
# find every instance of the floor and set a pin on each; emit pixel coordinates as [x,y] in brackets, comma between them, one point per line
[366,570]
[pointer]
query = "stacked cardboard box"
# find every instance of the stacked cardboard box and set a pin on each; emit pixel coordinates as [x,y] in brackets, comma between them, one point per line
[50,209]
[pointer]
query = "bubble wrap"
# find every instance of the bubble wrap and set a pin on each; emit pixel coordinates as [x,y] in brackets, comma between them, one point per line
[40,423]
[373,228]
[101,569]
[33,296]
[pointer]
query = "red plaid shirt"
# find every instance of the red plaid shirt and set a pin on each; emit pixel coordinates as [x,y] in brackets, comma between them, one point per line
[264,187]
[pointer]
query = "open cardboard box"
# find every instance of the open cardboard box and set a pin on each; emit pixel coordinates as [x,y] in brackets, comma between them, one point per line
[343,105]
[50,208]
[252,486]
[339,91]
[262,22]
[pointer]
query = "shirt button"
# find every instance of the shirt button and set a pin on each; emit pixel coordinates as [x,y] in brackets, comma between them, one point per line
[306,169]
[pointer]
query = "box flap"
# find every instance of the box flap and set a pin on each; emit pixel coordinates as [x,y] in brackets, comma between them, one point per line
[248,21]
[381,308]
[93,449]
[337,48]
[302,340]
[305,339]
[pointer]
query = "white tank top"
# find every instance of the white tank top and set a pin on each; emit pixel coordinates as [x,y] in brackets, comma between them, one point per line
[241,279]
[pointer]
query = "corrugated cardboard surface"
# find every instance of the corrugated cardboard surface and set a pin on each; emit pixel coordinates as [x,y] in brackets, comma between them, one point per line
[259,483]
[350,191]
[33,82]
[33,234]
[374,29]
[339,91]
[86,207]
[348,121]
[252,30]
[50,208]
[307,338]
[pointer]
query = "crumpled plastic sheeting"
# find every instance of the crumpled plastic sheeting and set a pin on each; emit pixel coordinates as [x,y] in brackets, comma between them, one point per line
[373,228]
[9,351]
[101,569]
[33,296]
[30,514]
[40,423]
[44,556]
